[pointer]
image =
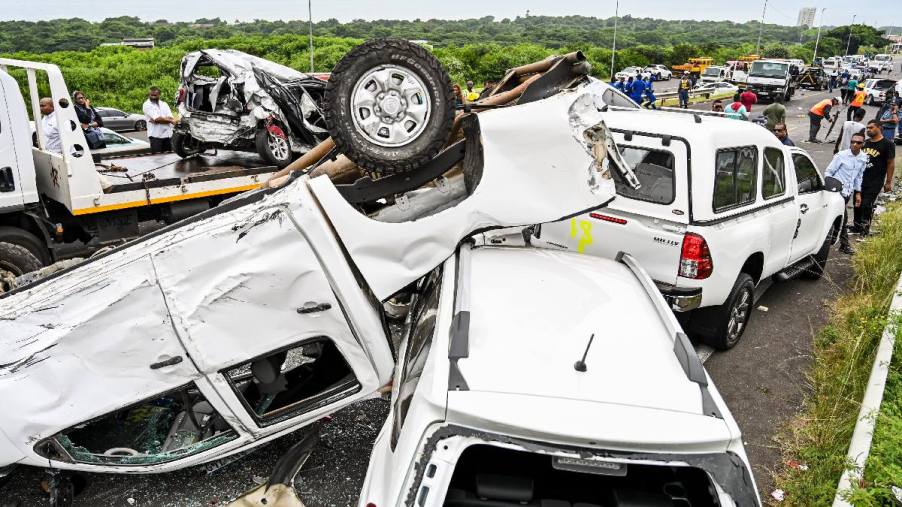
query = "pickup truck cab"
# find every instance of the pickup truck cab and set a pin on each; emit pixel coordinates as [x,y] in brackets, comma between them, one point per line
[723,205]
[487,411]
[55,206]
[714,74]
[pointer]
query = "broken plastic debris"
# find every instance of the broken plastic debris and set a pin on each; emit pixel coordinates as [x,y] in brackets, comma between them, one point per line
[797,465]
[130,500]
[778,495]
[762,308]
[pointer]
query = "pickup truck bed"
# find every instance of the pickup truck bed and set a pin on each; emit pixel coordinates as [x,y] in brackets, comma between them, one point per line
[166,169]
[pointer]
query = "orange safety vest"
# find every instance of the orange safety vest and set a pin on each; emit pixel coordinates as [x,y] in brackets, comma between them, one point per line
[858,101]
[818,108]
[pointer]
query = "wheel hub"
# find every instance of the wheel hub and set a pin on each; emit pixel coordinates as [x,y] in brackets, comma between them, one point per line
[391,105]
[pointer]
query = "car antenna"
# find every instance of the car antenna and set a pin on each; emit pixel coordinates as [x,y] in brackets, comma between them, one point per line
[580,365]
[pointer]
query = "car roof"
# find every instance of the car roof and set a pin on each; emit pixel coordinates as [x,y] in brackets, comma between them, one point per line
[714,131]
[532,312]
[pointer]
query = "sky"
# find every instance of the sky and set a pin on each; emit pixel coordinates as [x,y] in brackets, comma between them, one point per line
[784,12]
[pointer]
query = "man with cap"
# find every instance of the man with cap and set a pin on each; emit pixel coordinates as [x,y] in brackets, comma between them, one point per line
[683,90]
[817,114]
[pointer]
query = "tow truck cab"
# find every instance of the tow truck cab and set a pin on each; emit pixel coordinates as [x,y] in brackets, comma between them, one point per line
[772,79]
[59,205]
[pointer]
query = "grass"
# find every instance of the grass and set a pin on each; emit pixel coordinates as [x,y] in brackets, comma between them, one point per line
[843,354]
[694,99]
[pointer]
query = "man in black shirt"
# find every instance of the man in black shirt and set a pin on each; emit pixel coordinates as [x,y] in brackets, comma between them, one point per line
[878,174]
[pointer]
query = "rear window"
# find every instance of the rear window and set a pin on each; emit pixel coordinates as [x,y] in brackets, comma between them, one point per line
[734,180]
[654,168]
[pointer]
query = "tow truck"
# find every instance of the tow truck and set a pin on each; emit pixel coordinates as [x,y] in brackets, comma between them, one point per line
[56,206]
[695,66]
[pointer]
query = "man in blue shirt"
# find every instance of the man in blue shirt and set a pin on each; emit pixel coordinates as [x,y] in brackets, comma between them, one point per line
[637,91]
[848,167]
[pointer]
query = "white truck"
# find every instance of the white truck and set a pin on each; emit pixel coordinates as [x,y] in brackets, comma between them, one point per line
[723,205]
[714,74]
[772,79]
[55,206]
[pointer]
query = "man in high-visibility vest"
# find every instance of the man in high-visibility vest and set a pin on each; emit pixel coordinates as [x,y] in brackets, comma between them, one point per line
[817,114]
[683,90]
[857,101]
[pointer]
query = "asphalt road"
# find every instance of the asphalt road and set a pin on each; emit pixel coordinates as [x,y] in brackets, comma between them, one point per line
[762,380]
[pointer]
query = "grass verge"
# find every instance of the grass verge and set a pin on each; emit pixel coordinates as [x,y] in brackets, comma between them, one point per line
[816,441]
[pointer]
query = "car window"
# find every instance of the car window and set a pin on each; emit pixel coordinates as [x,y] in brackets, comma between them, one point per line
[806,174]
[114,138]
[654,168]
[613,97]
[424,314]
[773,177]
[734,180]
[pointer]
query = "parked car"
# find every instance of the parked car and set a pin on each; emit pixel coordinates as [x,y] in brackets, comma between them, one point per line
[632,72]
[876,90]
[120,144]
[232,100]
[711,228]
[660,72]
[716,88]
[260,316]
[586,337]
[120,121]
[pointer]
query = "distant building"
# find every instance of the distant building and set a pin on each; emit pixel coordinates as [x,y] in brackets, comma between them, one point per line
[806,16]
[142,43]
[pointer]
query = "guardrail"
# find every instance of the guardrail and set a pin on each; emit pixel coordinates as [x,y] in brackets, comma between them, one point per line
[860,445]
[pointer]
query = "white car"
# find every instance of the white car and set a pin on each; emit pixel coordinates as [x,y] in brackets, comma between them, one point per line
[660,72]
[632,72]
[716,88]
[876,90]
[118,144]
[548,390]
[711,226]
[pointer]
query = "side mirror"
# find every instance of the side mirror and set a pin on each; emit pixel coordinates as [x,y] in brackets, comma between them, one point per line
[832,184]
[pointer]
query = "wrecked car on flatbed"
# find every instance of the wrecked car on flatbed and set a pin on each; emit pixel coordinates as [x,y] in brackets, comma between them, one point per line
[265,314]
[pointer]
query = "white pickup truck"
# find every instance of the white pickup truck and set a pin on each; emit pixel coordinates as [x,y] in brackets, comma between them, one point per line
[723,205]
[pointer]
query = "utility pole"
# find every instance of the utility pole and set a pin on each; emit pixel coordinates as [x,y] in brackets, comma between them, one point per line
[614,45]
[849,42]
[310,26]
[818,39]
[761,30]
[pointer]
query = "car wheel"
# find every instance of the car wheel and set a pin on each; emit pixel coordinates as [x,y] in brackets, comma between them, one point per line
[185,145]
[273,146]
[722,326]
[20,253]
[389,106]
[140,125]
[816,271]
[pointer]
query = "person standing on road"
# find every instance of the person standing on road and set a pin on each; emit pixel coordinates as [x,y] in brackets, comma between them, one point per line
[851,86]
[843,85]
[49,128]
[736,111]
[817,114]
[637,91]
[857,101]
[650,99]
[159,121]
[847,166]
[878,175]
[850,127]
[775,113]
[783,134]
[748,99]
[832,83]
[683,90]
[889,116]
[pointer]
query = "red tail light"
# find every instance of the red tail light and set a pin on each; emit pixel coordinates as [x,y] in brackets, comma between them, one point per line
[695,259]
[607,218]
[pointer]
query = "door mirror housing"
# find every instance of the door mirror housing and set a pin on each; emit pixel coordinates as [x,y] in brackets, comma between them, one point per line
[832,184]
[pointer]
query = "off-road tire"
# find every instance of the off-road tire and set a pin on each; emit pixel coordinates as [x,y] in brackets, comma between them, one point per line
[371,157]
[20,252]
[712,324]
[816,271]
[261,141]
[184,145]
[140,125]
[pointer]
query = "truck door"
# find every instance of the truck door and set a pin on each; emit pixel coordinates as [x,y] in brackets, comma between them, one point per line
[262,322]
[10,182]
[810,202]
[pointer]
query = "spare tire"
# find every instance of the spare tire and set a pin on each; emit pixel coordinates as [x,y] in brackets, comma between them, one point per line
[389,106]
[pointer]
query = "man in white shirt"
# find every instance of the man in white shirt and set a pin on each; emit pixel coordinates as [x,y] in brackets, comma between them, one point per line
[849,128]
[49,129]
[159,121]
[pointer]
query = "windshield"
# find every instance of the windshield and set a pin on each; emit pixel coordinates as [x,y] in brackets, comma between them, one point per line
[712,71]
[769,69]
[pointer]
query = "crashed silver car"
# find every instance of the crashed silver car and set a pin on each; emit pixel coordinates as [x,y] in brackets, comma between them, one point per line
[232,100]
[260,316]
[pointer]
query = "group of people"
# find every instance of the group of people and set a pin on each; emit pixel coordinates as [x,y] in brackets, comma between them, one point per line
[465,96]
[639,89]
[158,116]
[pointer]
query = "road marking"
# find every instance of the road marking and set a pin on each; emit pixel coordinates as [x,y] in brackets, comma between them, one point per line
[704,352]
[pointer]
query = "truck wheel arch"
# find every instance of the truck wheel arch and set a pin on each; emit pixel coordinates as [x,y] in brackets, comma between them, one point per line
[37,237]
[754,266]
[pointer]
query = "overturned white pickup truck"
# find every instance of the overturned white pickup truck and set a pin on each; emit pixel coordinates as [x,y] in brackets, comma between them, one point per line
[263,315]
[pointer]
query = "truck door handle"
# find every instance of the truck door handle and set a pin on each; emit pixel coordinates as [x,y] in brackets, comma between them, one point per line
[314,307]
[803,208]
[172,361]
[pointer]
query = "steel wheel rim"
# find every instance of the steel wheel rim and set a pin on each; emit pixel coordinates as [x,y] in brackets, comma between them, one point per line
[277,146]
[390,106]
[739,315]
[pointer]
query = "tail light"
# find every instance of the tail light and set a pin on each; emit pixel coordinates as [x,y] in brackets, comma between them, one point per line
[695,258]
